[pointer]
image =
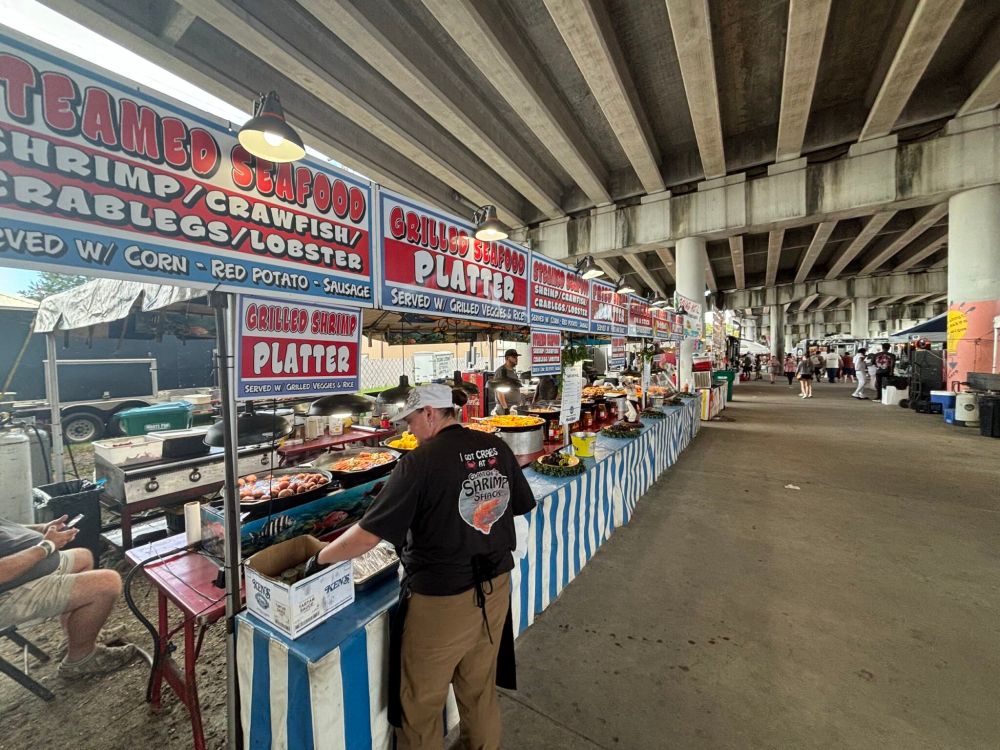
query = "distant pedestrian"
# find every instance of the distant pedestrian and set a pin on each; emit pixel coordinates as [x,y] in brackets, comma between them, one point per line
[756,368]
[885,368]
[746,365]
[774,368]
[818,362]
[832,362]
[804,372]
[847,367]
[789,368]
[861,368]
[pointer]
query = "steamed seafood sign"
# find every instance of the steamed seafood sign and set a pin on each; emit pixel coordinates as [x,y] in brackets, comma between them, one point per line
[101,178]
[666,325]
[640,319]
[617,359]
[546,352]
[608,309]
[289,349]
[560,298]
[433,264]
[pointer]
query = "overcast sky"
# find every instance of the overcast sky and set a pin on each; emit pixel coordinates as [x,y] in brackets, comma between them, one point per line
[42,23]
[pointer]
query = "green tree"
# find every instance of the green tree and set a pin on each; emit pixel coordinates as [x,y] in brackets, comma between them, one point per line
[51,283]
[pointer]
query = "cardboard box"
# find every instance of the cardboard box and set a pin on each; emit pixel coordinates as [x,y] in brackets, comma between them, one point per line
[298,608]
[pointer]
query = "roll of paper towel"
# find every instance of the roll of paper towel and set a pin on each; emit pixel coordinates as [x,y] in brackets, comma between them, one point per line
[192,522]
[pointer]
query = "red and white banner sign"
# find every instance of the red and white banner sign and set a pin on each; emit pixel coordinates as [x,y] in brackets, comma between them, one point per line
[101,178]
[640,319]
[559,297]
[546,352]
[433,264]
[608,309]
[667,326]
[616,361]
[290,349]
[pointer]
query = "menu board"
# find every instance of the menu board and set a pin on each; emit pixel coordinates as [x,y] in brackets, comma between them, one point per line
[617,359]
[667,326]
[432,264]
[559,297]
[102,178]
[690,310]
[292,349]
[572,393]
[608,309]
[546,352]
[640,318]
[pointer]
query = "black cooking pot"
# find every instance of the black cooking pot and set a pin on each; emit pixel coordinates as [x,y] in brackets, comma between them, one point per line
[354,478]
[251,429]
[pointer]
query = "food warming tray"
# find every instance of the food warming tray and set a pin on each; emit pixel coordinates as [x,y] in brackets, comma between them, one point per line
[182,443]
[279,504]
[354,478]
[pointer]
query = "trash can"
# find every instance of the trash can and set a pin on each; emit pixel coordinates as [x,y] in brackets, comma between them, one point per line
[71,498]
[173,415]
[989,415]
[729,376]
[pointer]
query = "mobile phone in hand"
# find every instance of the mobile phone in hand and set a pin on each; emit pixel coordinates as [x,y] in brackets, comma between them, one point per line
[74,521]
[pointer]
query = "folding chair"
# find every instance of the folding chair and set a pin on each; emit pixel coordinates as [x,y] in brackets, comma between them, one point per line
[22,678]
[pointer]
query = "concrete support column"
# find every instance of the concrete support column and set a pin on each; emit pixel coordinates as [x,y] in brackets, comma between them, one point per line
[690,265]
[816,331]
[777,329]
[973,280]
[859,317]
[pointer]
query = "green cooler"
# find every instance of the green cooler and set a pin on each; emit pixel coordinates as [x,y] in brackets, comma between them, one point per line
[173,415]
[729,376]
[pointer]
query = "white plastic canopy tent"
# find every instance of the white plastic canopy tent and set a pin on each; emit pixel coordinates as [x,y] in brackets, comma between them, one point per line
[934,329]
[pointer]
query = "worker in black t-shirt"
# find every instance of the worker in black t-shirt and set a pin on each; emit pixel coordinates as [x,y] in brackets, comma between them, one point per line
[449,508]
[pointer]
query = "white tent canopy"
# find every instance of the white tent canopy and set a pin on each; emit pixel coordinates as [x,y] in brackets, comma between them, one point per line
[105,301]
[752,347]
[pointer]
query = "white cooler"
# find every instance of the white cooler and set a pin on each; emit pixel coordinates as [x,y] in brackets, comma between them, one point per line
[891,396]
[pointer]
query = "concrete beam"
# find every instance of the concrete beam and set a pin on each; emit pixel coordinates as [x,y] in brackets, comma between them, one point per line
[667,259]
[178,21]
[807,20]
[775,238]
[444,97]
[587,31]
[869,287]
[507,62]
[819,240]
[710,275]
[243,28]
[736,251]
[930,22]
[924,221]
[929,243]
[640,268]
[826,302]
[987,93]
[691,27]
[867,234]
[807,301]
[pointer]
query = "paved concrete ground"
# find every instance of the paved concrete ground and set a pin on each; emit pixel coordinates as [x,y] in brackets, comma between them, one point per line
[860,611]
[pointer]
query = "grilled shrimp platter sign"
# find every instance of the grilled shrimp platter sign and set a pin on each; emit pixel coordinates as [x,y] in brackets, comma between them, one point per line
[102,178]
[433,264]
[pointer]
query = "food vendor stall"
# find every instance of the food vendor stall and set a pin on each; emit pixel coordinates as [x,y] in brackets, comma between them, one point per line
[286,256]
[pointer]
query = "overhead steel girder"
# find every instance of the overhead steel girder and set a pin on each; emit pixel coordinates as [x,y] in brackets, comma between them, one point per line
[867,286]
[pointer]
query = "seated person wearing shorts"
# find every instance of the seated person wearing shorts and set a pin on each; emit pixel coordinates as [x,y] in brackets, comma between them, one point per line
[39,580]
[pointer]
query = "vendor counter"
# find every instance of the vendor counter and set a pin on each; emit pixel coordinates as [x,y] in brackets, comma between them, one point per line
[326,689]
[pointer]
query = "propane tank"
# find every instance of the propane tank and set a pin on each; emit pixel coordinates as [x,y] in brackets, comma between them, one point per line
[15,476]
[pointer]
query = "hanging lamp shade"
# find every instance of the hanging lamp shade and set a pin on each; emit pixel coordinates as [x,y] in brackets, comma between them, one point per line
[657,300]
[457,382]
[266,135]
[340,404]
[488,227]
[398,393]
[251,429]
[624,286]
[588,269]
[503,384]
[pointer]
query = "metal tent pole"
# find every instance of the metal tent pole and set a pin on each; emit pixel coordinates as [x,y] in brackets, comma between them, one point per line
[55,409]
[224,311]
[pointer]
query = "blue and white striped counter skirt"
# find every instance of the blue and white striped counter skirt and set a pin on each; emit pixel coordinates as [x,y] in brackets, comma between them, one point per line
[326,690]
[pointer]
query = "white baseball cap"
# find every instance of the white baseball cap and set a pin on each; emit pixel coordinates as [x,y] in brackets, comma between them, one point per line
[435,394]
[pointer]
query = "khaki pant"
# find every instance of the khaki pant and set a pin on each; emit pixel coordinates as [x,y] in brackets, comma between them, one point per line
[445,642]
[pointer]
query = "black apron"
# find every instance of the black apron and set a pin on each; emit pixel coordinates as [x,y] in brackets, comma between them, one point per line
[506,667]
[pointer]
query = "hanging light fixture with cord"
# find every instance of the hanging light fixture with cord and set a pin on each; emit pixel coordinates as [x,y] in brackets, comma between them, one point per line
[588,269]
[657,300]
[488,227]
[266,135]
[624,286]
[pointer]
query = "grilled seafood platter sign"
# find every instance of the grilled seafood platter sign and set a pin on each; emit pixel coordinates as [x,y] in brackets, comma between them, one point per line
[100,177]
[433,264]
